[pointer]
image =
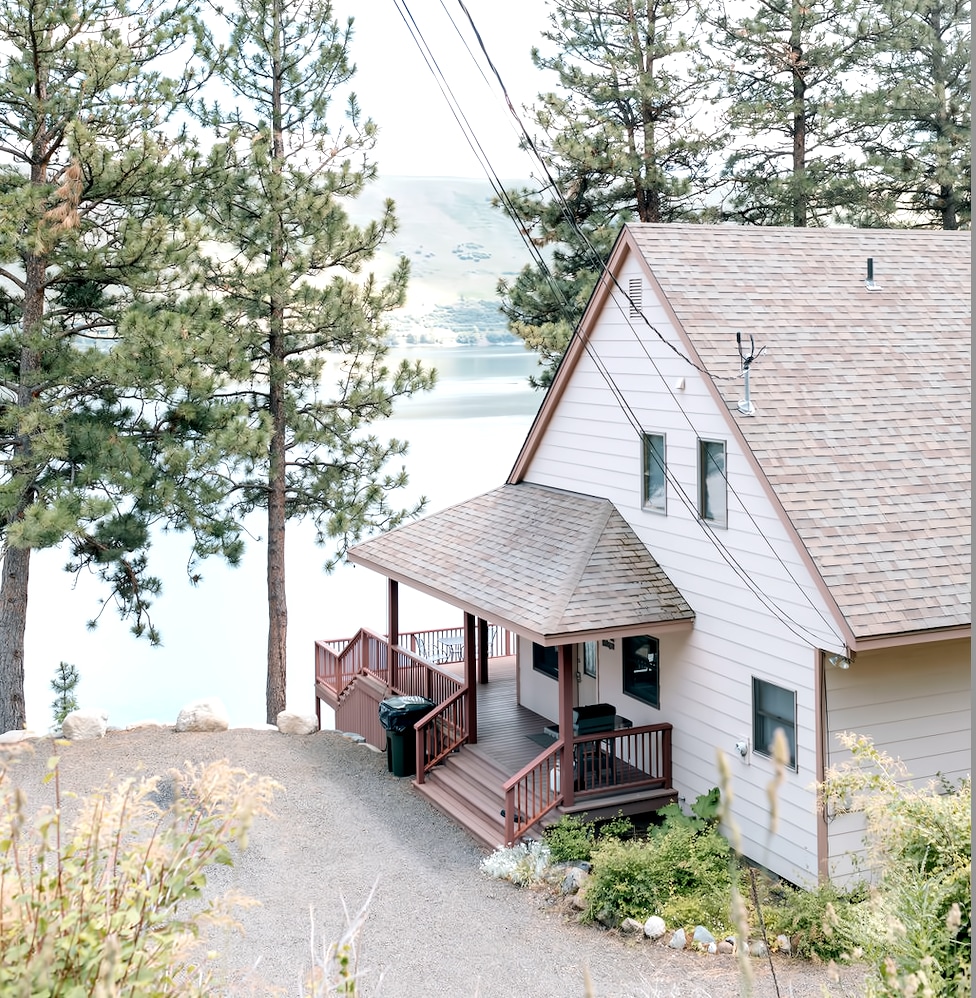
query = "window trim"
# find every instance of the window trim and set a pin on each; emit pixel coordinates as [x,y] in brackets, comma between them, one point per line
[627,651]
[540,654]
[789,725]
[646,456]
[703,456]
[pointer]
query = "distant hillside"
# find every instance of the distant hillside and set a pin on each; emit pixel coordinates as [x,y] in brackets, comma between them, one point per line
[458,247]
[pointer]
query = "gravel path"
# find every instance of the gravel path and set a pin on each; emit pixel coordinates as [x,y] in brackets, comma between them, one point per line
[436,925]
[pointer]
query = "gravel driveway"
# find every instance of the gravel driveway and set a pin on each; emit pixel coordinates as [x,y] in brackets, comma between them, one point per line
[436,925]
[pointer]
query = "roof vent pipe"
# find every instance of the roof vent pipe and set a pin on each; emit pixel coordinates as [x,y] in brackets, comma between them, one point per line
[869,283]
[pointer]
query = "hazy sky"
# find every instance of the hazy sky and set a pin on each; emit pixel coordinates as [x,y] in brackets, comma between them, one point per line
[419,135]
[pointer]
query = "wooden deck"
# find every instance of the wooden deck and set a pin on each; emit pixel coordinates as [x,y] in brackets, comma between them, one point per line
[468,785]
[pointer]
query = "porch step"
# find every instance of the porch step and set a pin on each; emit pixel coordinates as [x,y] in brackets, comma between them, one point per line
[610,805]
[468,789]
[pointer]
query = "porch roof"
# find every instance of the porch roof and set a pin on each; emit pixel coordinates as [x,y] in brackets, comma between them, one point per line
[554,566]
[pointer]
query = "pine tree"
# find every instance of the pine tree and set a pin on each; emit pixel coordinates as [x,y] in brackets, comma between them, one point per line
[64,684]
[309,327]
[626,138]
[104,422]
[789,69]
[920,150]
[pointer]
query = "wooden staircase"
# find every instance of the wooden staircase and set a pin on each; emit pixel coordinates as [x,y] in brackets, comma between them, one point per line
[467,787]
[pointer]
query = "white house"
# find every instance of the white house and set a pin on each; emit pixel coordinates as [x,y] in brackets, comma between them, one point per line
[743,506]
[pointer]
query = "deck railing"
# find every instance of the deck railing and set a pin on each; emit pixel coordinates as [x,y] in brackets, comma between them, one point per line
[610,762]
[441,732]
[533,792]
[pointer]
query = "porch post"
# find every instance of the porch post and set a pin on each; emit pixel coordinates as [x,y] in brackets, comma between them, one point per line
[482,650]
[392,627]
[470,678]
[567,780]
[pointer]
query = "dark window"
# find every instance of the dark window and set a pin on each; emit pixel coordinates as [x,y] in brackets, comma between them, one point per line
[773,707]
[655,478]
[545,660]
[712,486]
[642,669]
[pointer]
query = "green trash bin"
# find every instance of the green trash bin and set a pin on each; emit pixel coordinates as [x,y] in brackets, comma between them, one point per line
[398,715]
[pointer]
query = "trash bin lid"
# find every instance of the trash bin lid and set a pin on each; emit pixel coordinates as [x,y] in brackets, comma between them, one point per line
[395,712]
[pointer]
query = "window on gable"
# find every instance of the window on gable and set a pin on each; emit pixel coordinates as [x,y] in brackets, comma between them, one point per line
[654,473]
[545,660]
[642,674]
[773,708]
[713,499]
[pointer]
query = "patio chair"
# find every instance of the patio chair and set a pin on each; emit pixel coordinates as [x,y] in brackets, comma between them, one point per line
[434,654]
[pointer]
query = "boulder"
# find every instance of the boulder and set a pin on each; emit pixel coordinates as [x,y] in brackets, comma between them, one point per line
[17,735]
[574,879]
[81,724]
[702,936]
[203,715]
[290,723]
[679,940]
[631,927]
[654,927]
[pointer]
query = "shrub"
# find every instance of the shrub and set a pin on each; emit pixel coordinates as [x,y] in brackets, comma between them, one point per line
[522,864]
[90,906]
[572,838]
[826,923]
[919,844]
[659,875]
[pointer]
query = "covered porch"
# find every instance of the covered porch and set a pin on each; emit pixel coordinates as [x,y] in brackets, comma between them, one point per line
[531,568]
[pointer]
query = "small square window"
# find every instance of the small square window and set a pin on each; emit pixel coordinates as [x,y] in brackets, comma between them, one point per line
[545,660]
[655,484]
[642,669]
[773,707]
[712,484]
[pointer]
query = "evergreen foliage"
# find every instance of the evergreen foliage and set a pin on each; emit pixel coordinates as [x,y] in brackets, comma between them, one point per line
[64,684]
[624,138]
[309,327]
[105,423]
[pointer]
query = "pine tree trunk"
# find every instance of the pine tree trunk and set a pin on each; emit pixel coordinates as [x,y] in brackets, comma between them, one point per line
[13,624]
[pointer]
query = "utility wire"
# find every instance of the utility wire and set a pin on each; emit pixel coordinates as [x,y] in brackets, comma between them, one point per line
[634,308]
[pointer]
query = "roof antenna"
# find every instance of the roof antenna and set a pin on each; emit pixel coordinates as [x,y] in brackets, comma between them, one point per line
[745,406]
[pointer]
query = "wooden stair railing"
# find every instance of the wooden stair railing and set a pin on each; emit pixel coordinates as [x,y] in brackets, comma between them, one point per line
[533,792]
[441,732]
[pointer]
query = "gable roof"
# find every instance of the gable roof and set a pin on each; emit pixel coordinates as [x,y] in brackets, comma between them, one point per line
[862,424]
[552,565]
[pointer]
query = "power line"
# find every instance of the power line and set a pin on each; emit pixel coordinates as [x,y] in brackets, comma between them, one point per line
[634,309]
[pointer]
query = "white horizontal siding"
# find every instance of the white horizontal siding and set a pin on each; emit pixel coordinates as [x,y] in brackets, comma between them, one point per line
[912,702]
[590,446]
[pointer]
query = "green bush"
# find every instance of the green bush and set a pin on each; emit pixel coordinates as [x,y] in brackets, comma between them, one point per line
[572,838]
[826,923]
[93,905]
[660,875]
[919,847]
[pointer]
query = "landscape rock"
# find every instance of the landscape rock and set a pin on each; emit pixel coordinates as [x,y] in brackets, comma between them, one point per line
[575,878]
[679,940]
[203,715]
[578,901]
[80,724]
[17,735]
[654,927]
[290,723]
[702,936]
[783,944]
[725,946]
[631,927]
[757,948]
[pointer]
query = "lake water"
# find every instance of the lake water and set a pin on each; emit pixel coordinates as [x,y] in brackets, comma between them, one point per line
[464,438]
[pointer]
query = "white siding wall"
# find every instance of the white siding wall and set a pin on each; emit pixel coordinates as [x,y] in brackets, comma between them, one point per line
[914,703]
[591,447]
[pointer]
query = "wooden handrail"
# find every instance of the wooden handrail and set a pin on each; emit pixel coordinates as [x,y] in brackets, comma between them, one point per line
[533,792]
[603,762]
[441,731]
